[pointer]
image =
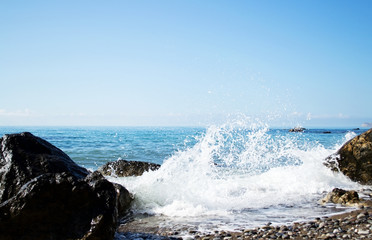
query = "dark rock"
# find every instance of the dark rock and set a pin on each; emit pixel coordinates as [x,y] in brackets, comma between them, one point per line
[297,129]
[25,156]
[124,168]
[123,199]
[327,132]
[105,221]
[45,195]
[354,159]
[100,184]
[340,196]
[51,206]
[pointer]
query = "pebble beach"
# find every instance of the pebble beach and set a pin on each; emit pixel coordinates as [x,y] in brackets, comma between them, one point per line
[352,225]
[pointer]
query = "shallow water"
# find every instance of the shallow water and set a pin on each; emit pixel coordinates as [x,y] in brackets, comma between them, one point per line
[236,175]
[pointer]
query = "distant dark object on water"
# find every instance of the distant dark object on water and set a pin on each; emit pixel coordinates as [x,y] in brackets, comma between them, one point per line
[356,129]
[297,129]
[327,132]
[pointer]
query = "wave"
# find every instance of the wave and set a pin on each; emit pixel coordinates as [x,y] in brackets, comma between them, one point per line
[238,167]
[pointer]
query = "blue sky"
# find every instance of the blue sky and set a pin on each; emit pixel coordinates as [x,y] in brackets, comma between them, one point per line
[185,62]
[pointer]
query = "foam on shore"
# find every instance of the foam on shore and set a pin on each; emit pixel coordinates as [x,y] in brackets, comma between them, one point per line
[237,173]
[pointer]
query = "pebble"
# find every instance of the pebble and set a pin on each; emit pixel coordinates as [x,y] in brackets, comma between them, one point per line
[321,225]
[363,232]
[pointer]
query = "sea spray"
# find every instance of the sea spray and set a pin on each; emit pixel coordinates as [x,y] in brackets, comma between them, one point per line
[239,173]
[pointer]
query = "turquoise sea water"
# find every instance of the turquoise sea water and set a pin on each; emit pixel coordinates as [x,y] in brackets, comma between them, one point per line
[92,147]
[221,177]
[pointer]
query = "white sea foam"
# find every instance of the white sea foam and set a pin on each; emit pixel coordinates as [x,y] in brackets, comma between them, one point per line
[349,135]
[237,168]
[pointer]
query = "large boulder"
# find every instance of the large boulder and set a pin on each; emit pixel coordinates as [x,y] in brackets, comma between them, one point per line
[354,159]
[45,195]
[124,168]
[25,156]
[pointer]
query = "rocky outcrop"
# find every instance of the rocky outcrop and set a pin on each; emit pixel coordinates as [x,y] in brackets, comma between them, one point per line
[340,196]
[45,195]
[124,168]
[354,159]
[24,157]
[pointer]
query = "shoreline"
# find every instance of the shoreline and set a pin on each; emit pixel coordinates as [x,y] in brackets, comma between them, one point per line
[356,224]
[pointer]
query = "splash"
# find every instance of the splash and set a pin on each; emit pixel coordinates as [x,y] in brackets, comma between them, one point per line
[238,167]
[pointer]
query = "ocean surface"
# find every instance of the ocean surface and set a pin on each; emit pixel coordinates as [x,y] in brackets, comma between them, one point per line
[231,176]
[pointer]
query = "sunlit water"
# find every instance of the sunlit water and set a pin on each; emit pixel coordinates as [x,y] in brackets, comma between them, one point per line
[240,174]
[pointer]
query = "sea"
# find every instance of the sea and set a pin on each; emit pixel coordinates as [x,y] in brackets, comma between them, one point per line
[231,176]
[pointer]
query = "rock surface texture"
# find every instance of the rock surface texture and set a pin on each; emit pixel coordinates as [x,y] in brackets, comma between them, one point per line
[124,168]
[45,195]
[340,196]
[24,157]
[354,159]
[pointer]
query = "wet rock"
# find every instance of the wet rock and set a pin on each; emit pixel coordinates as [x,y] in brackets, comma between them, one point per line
[124,168]
[354,159]
[24,156]
[51,206]
[112,200]
[340,196]
[45,195]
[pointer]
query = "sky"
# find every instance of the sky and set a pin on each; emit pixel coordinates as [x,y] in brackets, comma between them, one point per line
[185,63]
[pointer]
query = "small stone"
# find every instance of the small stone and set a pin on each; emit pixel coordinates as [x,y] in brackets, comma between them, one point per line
[323,236]
[321,225]
[363,232]
[284,228]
